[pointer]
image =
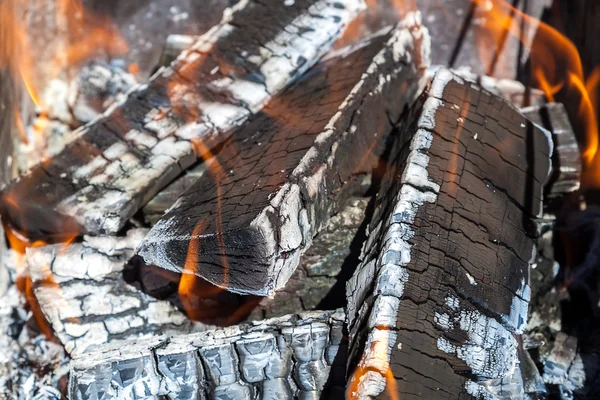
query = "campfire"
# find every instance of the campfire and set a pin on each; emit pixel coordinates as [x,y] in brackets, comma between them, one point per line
[337,199]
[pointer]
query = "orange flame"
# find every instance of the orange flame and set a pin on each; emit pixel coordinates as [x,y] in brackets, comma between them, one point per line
[24,282]
[555,66]
[378,351]
[86,35]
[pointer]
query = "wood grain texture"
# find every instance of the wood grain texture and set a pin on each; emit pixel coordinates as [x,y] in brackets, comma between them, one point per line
[280,177]
[296,356]
[119,161]
[443,286]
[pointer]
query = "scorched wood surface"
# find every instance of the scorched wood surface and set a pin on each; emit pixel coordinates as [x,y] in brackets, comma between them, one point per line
[442,291]
[277,181]
[122,159]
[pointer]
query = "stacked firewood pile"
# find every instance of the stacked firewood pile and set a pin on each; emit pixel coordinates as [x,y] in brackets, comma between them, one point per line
[303,202]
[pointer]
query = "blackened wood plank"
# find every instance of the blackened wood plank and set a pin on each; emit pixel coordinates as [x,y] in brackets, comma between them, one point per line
[281,176]
[296,356]
[443,286]
[82,293]
[121,160]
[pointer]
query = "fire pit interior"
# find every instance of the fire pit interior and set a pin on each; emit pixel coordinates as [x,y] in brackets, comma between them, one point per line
[281,199]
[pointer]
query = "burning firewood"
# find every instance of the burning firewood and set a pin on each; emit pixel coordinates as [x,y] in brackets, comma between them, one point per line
[282,175]
[119,161]
[289,357]
[443,286]
[82,293]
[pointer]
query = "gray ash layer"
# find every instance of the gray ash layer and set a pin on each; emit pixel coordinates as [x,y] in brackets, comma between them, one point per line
[81,291]
[297,356]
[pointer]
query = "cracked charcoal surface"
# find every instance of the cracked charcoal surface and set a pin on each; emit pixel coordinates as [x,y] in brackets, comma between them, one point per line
[121,160]
[280,177]
[443,287]
[296,356]
[81,291]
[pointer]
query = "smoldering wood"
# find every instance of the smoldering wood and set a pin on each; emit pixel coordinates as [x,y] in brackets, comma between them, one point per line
[281,176]
[119,161]
[82,293]
[443,286]
[320,267]
[296,356]
[566,160]
[96,88]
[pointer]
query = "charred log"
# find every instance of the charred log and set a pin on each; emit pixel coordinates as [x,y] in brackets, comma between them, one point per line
[119,161]
[443,286]
[281,176]
[290,357]
[81,291]
[566,160]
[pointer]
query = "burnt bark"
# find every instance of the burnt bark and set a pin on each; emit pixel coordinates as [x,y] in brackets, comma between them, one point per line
[119,161]
[82,293]
[281,177]
[297,356]
[443,286]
